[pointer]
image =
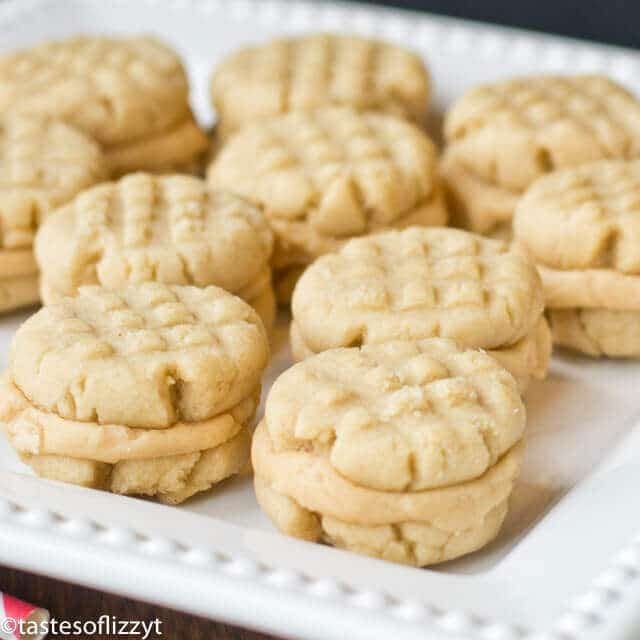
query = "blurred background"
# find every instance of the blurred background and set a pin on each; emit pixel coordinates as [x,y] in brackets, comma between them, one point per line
[610,21]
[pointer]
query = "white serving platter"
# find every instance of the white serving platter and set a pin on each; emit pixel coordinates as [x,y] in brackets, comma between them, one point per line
[567,563]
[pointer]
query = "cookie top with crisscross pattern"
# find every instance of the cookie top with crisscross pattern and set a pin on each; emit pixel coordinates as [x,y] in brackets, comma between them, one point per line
[147,355]
[43,163]
[587,217]
[512,132]
[332,172]
[418,283]
[172,229]
[116,90]
[398,416]
[318,71]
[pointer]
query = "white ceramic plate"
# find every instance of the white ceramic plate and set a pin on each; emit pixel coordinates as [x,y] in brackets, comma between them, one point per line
[567,563]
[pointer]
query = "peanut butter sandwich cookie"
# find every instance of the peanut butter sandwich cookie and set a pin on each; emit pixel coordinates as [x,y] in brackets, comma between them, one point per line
[322,177]
[407,450]
[150,390]
[43,163]
[502,137]
[318,71]
[424,283]
[129,94]
[172,229]
[582,225]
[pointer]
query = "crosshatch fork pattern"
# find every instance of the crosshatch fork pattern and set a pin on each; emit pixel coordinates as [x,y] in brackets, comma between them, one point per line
[172,229]
[305,73]
[147,318]
[601,198]
[42,163]
[410,269]
[165,353]
[344,403]
[309,154]
[94,80]
[587,116]
[143,209]
[444,282]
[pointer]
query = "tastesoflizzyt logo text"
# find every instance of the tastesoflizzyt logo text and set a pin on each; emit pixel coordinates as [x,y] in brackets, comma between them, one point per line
[109,626]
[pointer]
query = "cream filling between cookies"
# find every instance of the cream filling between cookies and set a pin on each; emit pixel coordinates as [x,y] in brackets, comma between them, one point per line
[590,288]
[19,291]
[415,543]
[529,357]
[17,262]
[298,243]
[256,287]
[474,203]
[172,478]
[172,149]
[36,432]
[311,480]
[260,295]
[265,306]
[597,332]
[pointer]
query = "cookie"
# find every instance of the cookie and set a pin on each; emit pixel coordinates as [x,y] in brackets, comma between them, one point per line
[314,71]
[17,262]
[422,283]
[405,407]
[171,464]
[171,479]
[310,480]
[504,136]
[19,291]
[37,432]
[526,360]
[529,358]
[582,225]
[129,94]
[145,356]
[179,150]
[586,217]
[407,542]
[590,288]
[151,390]
[414,543]
[262,298]
[43,164]
[473,203]
[420,438]
[259,294]
[597,332]
[170,229]
[324,176]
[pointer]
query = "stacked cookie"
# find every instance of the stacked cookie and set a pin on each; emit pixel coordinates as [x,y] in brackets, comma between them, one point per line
[502,137]
[129,94]
[148,390]
[424,283]
[43,163]
[406,451]
[314,71]
[324,176]
[582,225]
[171,229]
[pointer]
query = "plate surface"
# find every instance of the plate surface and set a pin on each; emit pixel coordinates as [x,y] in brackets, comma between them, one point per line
[566,565]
